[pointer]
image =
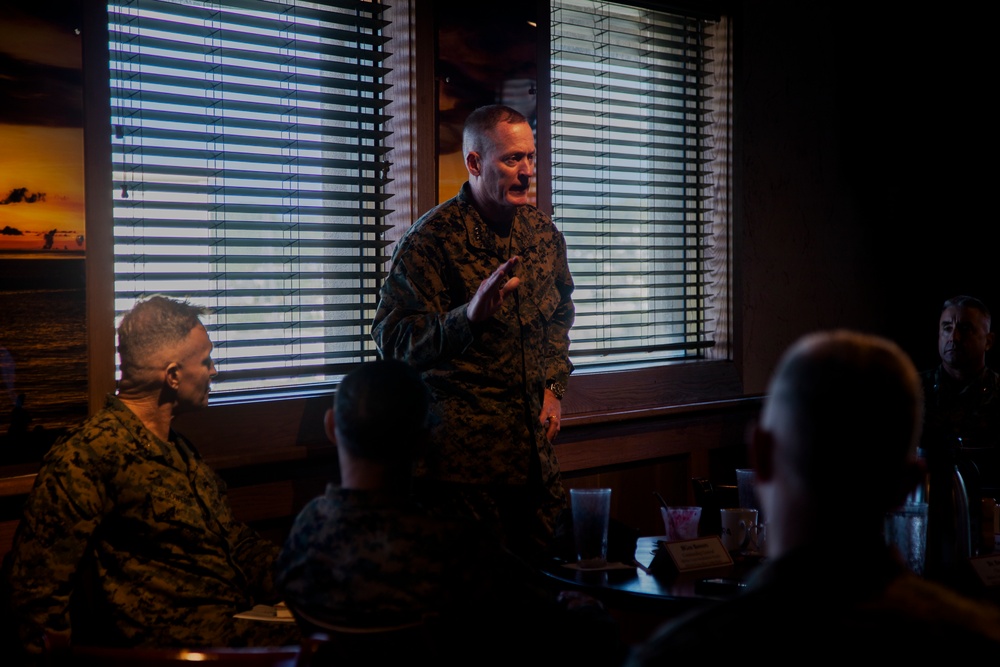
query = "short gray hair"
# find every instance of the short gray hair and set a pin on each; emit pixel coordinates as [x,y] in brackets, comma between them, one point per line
[965,301]
[152,325]
[482,121]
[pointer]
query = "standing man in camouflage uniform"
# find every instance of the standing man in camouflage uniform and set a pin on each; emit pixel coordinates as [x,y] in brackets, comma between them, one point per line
[127,506]
[478,299]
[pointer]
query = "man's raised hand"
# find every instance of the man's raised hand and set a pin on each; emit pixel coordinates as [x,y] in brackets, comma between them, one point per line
[489,297]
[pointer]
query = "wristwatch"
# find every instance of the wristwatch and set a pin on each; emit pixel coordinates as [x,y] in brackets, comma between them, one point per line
[556,388]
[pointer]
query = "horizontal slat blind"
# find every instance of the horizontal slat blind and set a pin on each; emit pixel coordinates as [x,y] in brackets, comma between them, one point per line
[630,178]
[249,169]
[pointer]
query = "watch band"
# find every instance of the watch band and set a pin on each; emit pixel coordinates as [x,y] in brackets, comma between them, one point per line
[556,388]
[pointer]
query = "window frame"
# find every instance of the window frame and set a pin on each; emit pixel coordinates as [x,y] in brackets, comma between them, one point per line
[638,392]
[622,35]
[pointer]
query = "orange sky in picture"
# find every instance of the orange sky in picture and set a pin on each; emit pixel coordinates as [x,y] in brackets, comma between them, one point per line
[47,160]
[40,158]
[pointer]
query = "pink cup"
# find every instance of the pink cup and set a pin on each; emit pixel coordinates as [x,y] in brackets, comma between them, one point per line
[681,523]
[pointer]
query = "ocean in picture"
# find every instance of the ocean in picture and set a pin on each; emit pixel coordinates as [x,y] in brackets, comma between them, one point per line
[43,350]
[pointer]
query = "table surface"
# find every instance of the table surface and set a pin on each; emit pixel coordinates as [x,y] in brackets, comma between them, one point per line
[636,587]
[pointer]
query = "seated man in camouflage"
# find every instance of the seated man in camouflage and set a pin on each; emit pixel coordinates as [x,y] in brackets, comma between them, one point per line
[127,505]
[339,564]
[366,554]
[835,450]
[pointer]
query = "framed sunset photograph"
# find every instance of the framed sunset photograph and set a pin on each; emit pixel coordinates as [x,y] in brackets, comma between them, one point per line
[43,240]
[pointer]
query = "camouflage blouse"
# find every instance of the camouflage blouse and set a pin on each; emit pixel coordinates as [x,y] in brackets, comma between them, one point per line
[148,525]
[487,381]
[368,558]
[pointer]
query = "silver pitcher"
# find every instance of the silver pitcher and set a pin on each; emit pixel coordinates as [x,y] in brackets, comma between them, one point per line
[946,490]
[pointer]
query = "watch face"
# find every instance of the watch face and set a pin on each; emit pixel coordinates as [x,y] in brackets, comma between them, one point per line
[556,389]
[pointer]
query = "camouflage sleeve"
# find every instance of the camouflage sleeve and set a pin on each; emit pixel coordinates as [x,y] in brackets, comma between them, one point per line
[559,365]
[252,555]
[417,320]
[256,557]
[297,559]
[60,515]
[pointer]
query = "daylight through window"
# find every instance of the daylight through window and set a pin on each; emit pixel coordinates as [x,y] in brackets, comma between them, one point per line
[638,179]
[249,173]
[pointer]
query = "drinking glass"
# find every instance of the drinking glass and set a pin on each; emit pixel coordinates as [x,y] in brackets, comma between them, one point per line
[591,509]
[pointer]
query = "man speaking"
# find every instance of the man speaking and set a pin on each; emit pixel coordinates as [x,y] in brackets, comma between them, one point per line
[478,299]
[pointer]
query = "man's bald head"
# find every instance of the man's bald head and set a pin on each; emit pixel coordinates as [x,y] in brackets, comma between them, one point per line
[844,410]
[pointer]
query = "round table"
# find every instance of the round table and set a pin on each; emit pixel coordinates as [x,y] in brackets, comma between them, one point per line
[663,591]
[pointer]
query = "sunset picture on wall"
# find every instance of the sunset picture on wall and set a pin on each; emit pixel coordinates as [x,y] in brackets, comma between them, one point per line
[41,134]
[43,238]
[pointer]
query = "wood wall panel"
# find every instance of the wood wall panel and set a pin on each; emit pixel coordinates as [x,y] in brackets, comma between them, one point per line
[661,453]
[634,457]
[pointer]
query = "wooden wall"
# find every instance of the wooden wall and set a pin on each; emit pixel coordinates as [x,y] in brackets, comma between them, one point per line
[635,457]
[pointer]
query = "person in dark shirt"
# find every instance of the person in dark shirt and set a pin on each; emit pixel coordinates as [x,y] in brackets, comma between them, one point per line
[366,555]
[961,432]
[835,451]
[962,394]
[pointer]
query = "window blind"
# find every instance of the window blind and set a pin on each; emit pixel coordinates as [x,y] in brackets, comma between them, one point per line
[632,178]
[249,177]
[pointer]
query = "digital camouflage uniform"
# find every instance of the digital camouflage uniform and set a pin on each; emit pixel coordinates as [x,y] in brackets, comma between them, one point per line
[488,379]
[368,558]
[166,562]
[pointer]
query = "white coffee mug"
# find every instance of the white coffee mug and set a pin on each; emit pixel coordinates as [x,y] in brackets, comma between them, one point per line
[739,528]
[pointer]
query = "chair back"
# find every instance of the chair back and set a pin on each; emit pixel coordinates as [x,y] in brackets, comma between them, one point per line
[328,644]
[375,646]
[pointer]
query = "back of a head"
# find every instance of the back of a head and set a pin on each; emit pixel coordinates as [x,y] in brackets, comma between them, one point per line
[482,121]
[150,327]
[846,408]
[381,411]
